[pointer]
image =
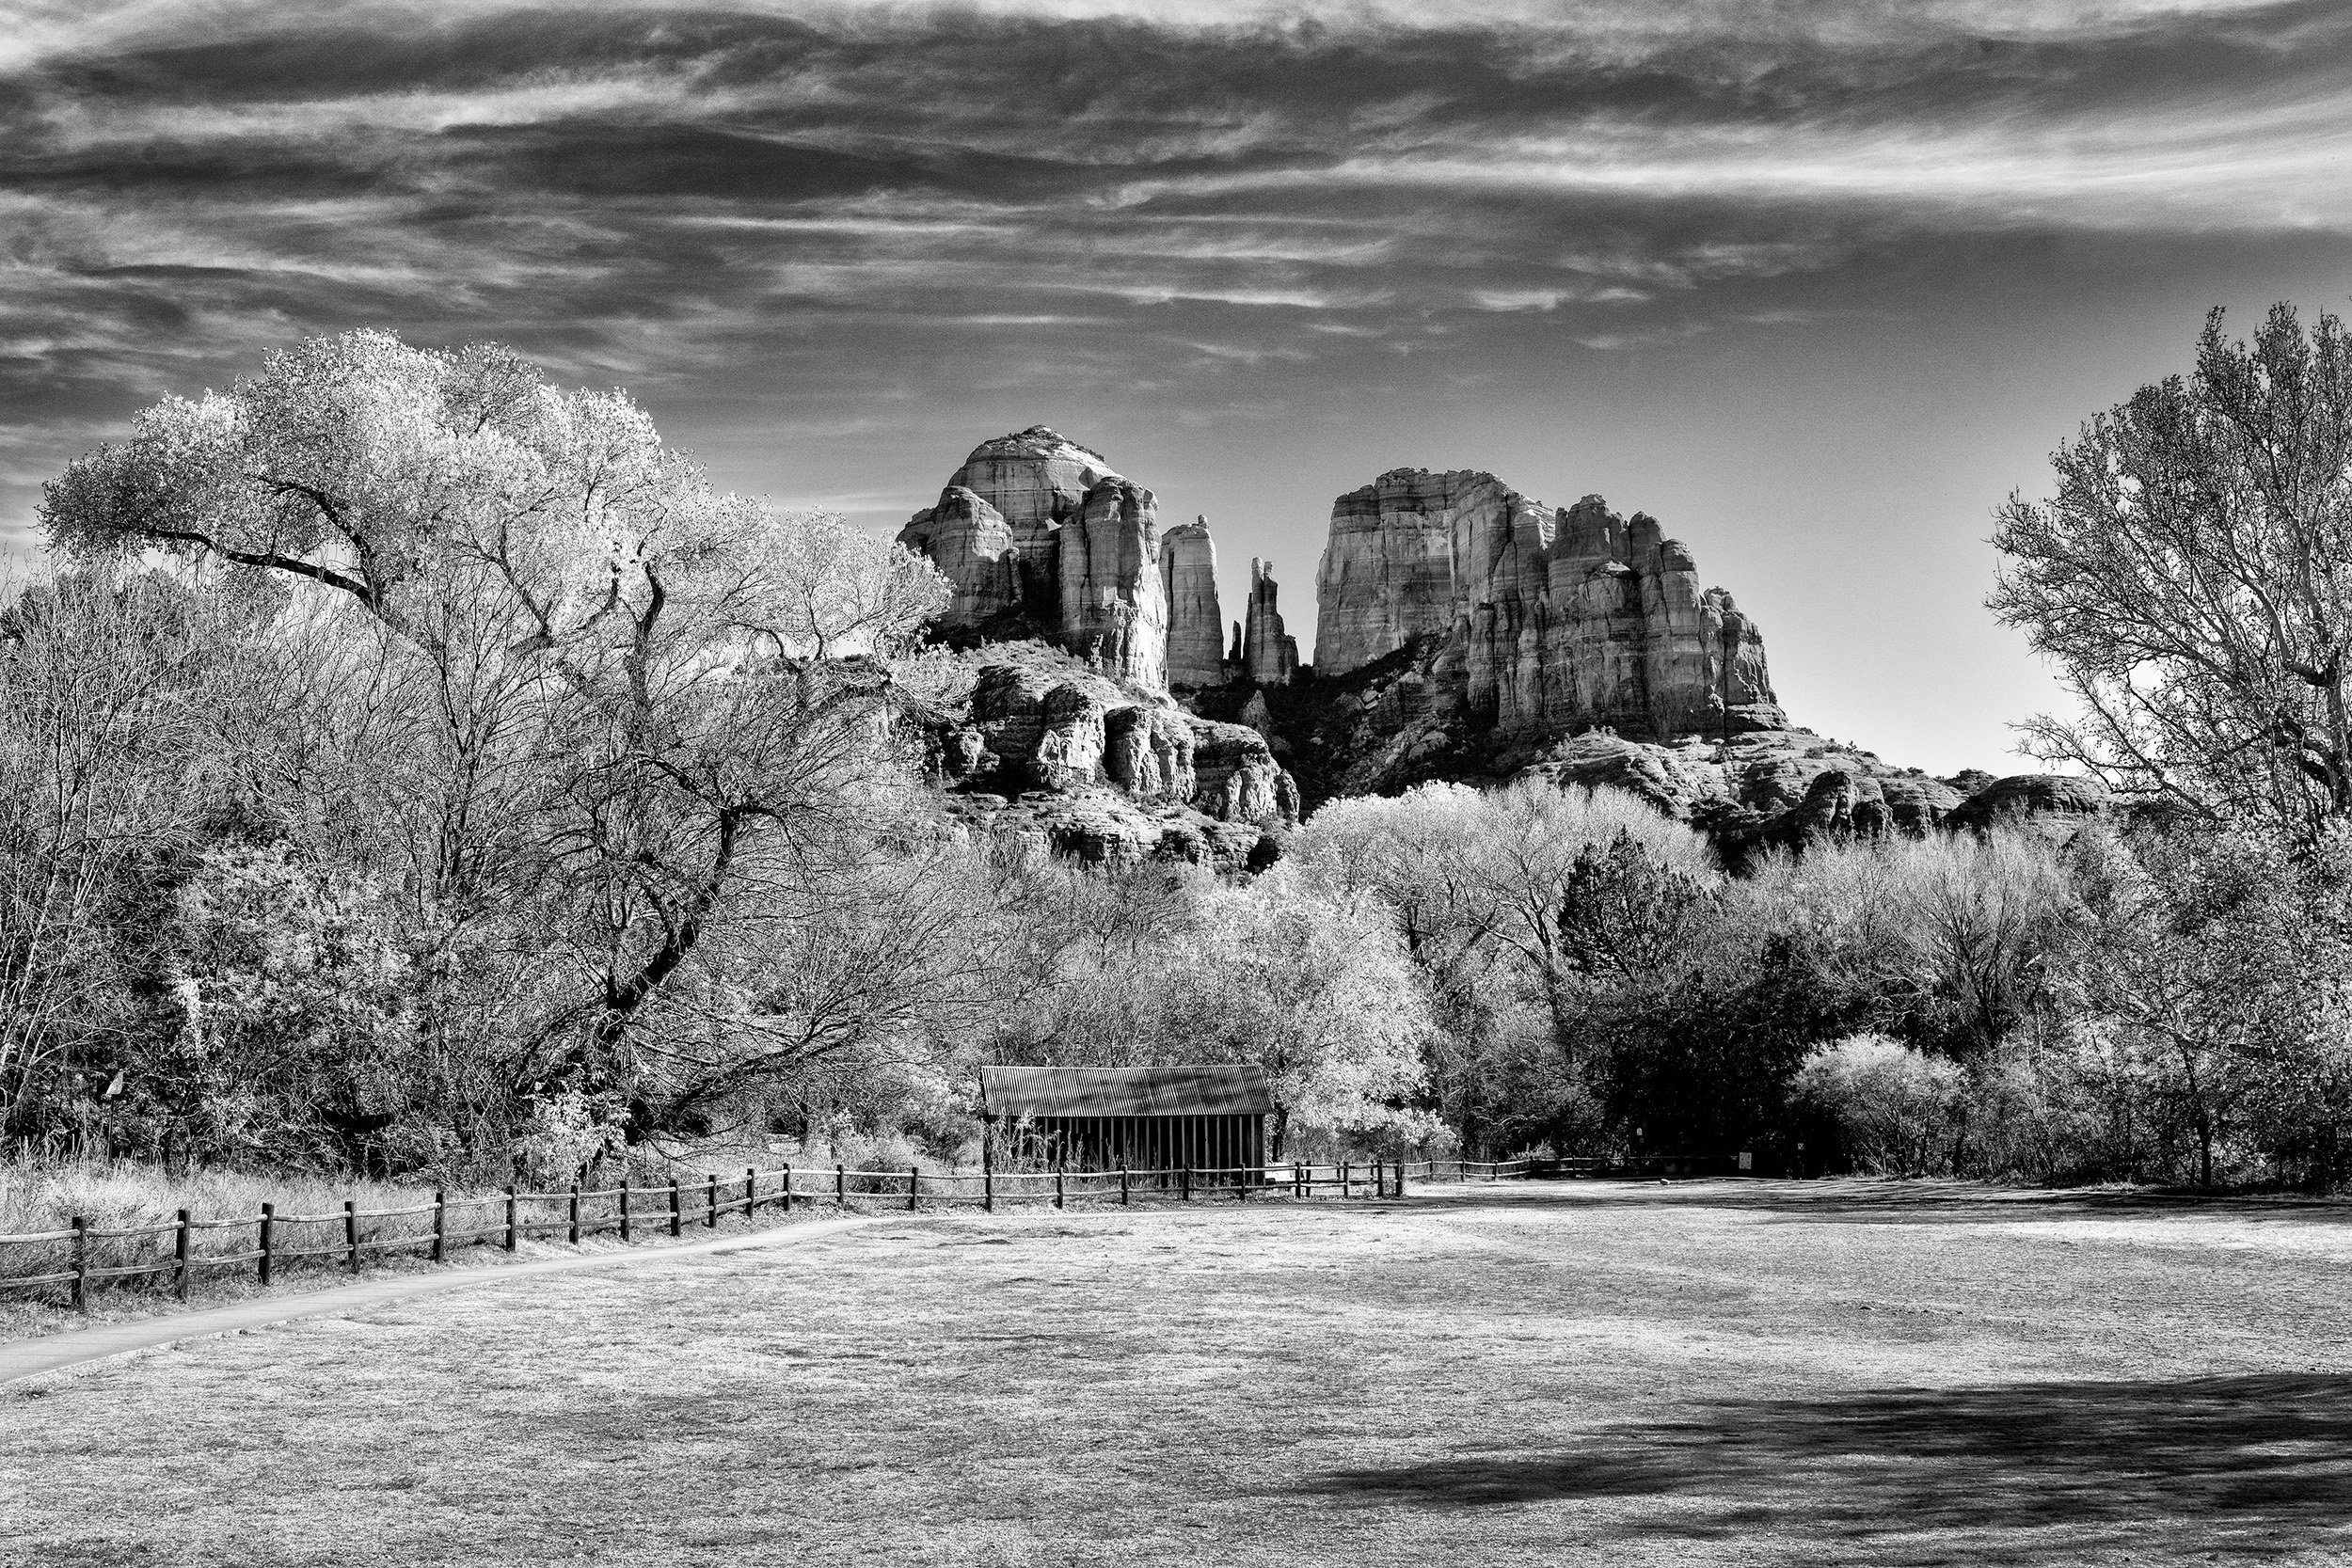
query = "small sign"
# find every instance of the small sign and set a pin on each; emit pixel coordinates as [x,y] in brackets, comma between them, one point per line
[1747,1159]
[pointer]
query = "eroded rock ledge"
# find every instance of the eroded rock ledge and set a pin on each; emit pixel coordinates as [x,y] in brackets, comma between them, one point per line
[1099,768]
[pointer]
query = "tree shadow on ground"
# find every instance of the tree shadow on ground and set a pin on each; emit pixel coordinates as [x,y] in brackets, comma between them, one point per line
[1867,1201]
[2244,1466]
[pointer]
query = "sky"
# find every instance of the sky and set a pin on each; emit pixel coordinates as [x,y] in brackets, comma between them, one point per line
[1818,282]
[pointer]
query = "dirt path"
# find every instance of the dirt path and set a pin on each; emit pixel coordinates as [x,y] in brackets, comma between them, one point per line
[57,1351]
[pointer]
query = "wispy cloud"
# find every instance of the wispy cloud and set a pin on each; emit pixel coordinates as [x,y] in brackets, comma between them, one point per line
[644,192]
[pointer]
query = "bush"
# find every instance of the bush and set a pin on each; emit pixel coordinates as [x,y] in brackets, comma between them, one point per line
[1893,1105]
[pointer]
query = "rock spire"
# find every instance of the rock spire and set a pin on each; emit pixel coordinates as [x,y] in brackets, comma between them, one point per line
[1268,656]
[1188,583]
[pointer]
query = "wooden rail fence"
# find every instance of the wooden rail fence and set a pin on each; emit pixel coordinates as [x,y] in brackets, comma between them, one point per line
[87,1256]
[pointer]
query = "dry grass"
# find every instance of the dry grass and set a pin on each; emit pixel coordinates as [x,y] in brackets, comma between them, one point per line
[1881,1373]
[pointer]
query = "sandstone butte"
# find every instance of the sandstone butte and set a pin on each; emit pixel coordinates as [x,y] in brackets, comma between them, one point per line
[1080,621]
[1463,632]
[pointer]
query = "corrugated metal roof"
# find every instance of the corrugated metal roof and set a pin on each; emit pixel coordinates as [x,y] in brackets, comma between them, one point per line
[1126,1091]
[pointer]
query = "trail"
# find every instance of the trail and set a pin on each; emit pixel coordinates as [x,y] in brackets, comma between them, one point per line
[55,1352]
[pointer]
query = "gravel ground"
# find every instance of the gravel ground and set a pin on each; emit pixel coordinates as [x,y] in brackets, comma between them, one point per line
[1850,1372]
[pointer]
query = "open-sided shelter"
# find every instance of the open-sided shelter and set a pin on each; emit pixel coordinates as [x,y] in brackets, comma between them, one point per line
[1141,1118]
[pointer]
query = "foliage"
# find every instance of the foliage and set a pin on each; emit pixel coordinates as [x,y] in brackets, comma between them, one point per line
[2192,579]
[1894,1103]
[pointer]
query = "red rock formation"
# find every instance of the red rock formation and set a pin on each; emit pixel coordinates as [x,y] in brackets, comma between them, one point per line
[1269,657]
[1038,530]
[1542,623]
[1196,656]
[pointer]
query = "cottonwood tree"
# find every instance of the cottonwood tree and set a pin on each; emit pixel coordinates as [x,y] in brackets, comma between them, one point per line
[104,772]
[2192,579]
[628,701]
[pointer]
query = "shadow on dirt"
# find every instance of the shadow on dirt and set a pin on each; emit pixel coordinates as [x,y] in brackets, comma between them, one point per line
[2245,1466]
[1867,1201]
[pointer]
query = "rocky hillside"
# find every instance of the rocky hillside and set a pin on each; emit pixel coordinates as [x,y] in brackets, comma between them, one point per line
[1463,631]
[1078,622]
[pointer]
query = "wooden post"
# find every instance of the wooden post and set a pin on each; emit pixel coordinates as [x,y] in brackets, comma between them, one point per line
[510,1219]
[1348,1175]
[625,1231]
[572,1216]
[1123,1186]
[988,1187]
[1184,1183]
[787,1189]
[269,1238]
[1400,1179]
[676,1221]
[751,1191]
[81,1264]
[180,1255]
[840,1185]
[1056,1186]
[440,1227]
[351,1232]
[914,1177]
[711,1200]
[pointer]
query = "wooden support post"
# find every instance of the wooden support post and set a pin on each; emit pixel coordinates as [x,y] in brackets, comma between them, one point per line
[1348,1175]
[510,1219]
[625,1231]
[1123,1199]
[179,1255]
[914,1179]
[711,1200]
[1184,1183]
[81,1264]
[676,1220]
[351,1233]
[1400,1179]
[751,1191]
[988,1187]
[788,1188]
[571,1228]
[840,1185]
[269,1238]
[440,1227]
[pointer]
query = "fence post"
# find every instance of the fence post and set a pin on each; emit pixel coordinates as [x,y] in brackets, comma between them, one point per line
[1347,1176]
[571,1214]
[988,1188]
[711,1200]
[269,1238]
[1122,1186]
[1184,1183]
[179,1255]
[351,1232]
[787,1189]
[81,1264]
[440,1227]
[1400,1179]
[1056,1186]
[510,1219]
[751,1191]
[840,1185]
[914,1178]
[676,1221]
[625,1231]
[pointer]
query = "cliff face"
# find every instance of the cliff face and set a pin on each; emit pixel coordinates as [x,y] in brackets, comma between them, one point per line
[1102,768]
[1538,623]
[1039,534]
[1196,656]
